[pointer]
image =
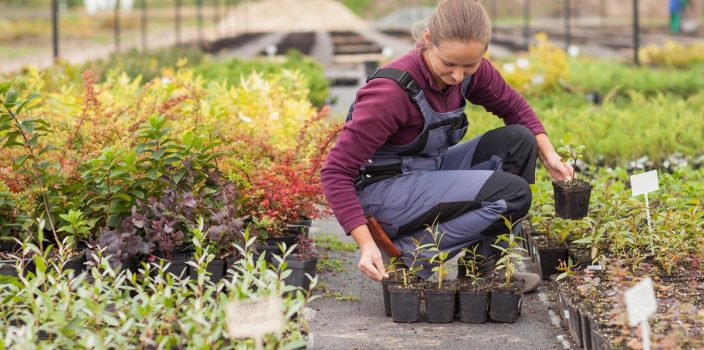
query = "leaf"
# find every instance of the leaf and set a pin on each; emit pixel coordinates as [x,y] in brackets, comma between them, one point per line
[10,98]
[20,160]
[25,102]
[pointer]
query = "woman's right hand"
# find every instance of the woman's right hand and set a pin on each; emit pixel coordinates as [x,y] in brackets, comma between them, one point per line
[370,262]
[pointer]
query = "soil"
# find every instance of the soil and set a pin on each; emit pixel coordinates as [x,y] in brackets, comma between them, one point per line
[575,185]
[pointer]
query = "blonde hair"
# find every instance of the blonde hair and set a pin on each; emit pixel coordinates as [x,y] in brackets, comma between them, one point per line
[455,20]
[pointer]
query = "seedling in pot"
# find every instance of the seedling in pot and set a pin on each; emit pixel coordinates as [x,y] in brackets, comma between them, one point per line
[509,251]
[440,256]
[571,195]
[565,268]
[470,262]
[413,263]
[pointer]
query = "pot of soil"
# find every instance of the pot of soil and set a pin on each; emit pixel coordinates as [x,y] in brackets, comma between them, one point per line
[506,301]
[474,302]
[581,255]
[385,283]
[571,198]
[299,269]
[216,269]
[550,259]
[178,267]
[76,263]
[405,303]
[440,302]
[9,246]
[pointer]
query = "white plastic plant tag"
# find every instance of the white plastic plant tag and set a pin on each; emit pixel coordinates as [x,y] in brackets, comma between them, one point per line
[595,267]
[640,302]
[254,318]
[567,314]
[644,183]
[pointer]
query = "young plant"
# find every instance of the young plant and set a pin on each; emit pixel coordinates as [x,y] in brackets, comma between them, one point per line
[440,256]
[394,268]
[565,268]
[77,225]
[413,263]
[509,249]
[571,152]
[470,262]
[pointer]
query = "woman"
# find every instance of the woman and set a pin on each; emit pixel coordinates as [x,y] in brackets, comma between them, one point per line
[398,157]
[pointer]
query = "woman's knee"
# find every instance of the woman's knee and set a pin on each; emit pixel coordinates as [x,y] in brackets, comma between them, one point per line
[512,189]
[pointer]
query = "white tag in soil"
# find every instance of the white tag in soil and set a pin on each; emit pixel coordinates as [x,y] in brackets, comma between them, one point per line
[254,318]
[640,302]
[644,183]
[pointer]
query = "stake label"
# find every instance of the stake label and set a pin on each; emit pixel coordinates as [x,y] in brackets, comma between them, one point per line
[254,318]
[640,302]
[644,183]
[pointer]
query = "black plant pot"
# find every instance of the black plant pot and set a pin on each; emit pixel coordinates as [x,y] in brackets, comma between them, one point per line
[178,267]
[572,202]
[474,305]
[575,324]
[7,246]
[440,305]
[505,305]
[299,227]
[289,238]
[385,290]
[550,259]
[586,331]
[269,251]
[216,268]
[581,255]
[405,304]
[7,267]
[299,269]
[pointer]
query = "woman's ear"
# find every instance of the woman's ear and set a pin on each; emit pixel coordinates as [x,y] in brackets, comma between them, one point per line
[426,37]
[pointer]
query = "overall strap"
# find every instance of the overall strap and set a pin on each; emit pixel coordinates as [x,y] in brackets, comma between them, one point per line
[401,77]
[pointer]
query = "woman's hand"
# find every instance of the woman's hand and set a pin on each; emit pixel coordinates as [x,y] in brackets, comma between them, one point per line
[370,262]
[557,169]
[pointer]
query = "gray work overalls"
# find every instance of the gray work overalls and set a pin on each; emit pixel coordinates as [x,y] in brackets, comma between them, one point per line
[432,179]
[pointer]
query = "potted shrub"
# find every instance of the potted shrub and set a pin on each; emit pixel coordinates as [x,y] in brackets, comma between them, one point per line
[405,297]
[571,196]
[550,241]
[472,290]
[439,297]
[507,294]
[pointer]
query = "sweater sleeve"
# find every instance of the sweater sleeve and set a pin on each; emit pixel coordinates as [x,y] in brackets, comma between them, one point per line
[489,89]
[380,110]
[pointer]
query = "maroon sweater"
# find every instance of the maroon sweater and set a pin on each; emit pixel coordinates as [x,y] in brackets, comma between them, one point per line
[384,114]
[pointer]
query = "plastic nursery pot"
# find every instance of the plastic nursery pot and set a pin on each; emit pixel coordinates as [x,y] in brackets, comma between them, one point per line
[581,255]
[571,198]
[550,259]
[586,331]
[575,323]
[385,291]
[216,269]
[299,269]
[7,267]
[405,303]
[474,305]
[440,304]
[178,263]
[505,303]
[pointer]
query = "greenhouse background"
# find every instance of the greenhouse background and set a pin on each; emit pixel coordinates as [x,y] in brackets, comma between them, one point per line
[160,177]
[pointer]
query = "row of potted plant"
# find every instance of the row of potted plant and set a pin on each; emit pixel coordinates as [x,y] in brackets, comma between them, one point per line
[476,295]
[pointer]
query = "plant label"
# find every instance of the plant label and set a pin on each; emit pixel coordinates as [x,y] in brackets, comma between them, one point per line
[253,318]
[640,302]
[644,183]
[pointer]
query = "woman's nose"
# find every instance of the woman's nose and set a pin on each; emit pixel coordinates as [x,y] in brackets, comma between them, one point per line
[458,75]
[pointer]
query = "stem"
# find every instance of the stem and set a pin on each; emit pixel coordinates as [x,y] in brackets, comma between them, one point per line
[35,166]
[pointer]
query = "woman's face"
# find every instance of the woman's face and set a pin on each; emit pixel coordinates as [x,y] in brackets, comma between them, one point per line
[452,61]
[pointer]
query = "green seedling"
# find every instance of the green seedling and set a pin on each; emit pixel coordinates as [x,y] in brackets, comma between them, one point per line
[511,250]
[470,262]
